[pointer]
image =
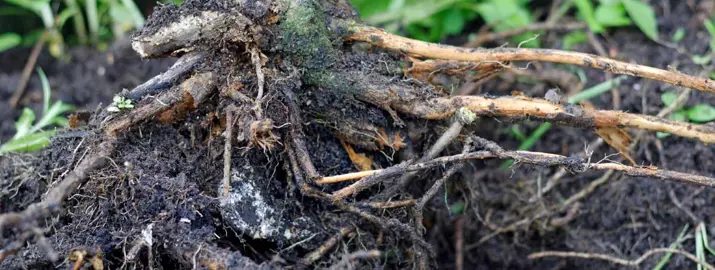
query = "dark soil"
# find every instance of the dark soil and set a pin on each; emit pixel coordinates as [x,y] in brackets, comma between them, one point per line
[163,178]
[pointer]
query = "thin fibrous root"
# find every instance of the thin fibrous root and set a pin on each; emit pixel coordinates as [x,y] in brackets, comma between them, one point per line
[379,37]
[568,114]
[325,247]
[574,164]
[631,263]
[26,222]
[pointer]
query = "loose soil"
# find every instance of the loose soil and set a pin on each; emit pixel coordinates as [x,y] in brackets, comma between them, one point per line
[163,179]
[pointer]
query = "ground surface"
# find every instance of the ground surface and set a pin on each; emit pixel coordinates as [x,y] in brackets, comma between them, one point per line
[168,174]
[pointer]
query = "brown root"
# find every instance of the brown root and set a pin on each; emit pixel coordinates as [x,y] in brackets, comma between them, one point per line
[386,40]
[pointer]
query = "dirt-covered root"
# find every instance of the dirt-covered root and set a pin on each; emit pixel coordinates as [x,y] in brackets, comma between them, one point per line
[283,70]
[172,104]
[383,39]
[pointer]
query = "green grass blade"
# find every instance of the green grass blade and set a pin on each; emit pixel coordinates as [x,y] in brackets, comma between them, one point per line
[29,143]
[137,16]
[45,91]
[92,19]
[9,41]
[530,141]
[663,261]
[596,90]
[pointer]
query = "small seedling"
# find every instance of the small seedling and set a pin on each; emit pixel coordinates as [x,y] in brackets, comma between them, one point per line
[700,113]
[29,137]
[120,103]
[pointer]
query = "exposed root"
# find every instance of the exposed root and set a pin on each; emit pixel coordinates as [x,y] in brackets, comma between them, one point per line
[572,164]
[329,244]
[348,259]
[26,224]
[227,153]
[386,40]
[631,263]
[180,69]
[571,115]
[192,91]
[387,205]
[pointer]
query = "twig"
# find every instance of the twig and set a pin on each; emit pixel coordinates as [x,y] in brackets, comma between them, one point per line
[27,71]
[489,37]
[612,259]
[386,40]
[227,153]
[327,245]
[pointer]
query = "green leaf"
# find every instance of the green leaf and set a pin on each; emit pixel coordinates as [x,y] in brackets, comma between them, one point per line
[453,22]
[504,14]
[612,15]
[668,98]
[24,123]
[29,143]
[457,208]
[46,91]
[573,38]
[701,59]
[711,29]
[585,9]
[701,113]
[9,41]
[678,35]
[678,116]
[40,7]
[644,17]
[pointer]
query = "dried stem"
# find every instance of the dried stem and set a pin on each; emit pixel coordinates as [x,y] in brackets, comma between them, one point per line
[383,39]
[27,71]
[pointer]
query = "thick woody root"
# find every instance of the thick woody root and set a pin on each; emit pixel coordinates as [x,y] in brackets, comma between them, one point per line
[471,71]
[386,40]
[178,100]
[568,114]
